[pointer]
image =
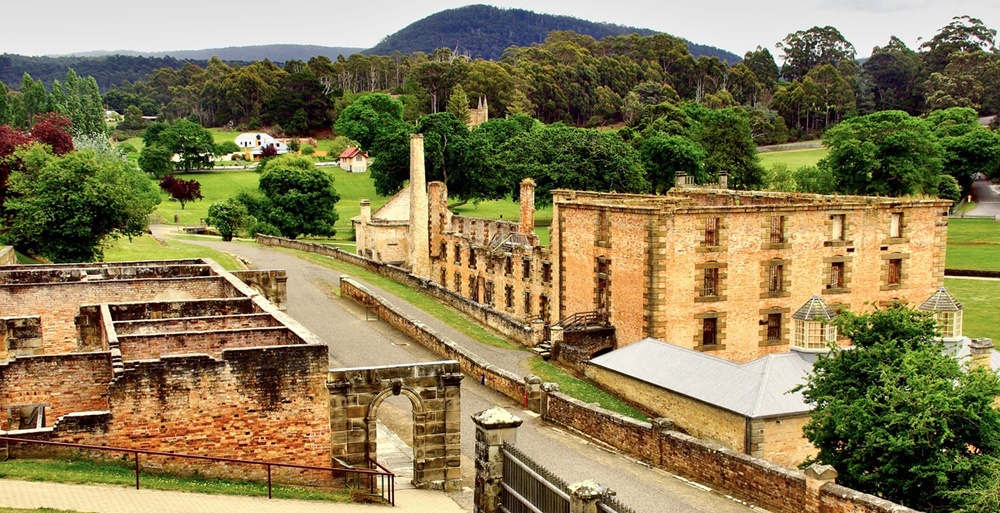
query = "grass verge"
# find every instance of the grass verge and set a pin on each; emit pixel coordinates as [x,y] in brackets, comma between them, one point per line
[432,306]
[148,248]
[981,299]
[794,159]
[973,244]
[79,471]
[582,390]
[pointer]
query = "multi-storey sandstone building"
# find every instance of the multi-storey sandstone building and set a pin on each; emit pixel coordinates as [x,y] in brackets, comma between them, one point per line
[715,270]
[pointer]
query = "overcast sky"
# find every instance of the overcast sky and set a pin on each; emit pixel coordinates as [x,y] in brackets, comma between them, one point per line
[67,26]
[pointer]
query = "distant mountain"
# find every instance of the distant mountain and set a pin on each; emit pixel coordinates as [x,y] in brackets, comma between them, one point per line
[109,71]
[483,31]
[276,53]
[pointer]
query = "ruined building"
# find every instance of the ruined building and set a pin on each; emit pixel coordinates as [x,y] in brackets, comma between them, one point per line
[714,270]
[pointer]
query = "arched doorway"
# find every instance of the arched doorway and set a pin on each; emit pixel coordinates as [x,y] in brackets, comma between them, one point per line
[433,390]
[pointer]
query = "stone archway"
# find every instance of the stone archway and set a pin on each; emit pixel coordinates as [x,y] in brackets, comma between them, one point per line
[433,390]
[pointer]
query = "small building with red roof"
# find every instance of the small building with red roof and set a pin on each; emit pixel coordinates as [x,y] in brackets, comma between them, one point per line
[354,160]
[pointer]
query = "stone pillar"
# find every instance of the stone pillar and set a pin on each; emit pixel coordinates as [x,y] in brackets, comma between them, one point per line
[537,331]
[493,427]
[723,180]
[533,393]
[584,496]
[547,388]
[452,431]
[526,223]
[419,250]
[439,217]
[816,476]
[981,350]
[361,233]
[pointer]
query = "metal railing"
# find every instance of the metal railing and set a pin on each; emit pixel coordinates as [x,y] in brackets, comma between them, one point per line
[384,478]
[529,487]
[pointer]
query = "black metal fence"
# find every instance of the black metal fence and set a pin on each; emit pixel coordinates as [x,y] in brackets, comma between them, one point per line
[529,487]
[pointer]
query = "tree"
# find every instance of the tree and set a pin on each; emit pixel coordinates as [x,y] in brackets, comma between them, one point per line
[814,180]
[892,71]
[181,190]
[191,142]
[229,217]
[369,116]
[301,201]
[898,416]
[155,160]
[887,153]
[53,129]
[729,147]
[66,208]
[458,104]
[805,49]
[664,155]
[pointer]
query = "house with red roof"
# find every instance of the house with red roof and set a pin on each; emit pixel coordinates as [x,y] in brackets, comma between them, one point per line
[354,160]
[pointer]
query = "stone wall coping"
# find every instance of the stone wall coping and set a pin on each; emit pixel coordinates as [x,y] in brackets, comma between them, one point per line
[496,418]
[197,332]
[871,502]
[398,366]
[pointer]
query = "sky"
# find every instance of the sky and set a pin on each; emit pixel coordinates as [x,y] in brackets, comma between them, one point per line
[734,25]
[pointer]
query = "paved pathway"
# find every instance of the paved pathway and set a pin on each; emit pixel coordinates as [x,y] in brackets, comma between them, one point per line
[357,341]
[112,499]
[987,199]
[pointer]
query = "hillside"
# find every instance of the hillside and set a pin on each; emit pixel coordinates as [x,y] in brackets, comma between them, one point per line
[111,70]
[276,53]
[483,31]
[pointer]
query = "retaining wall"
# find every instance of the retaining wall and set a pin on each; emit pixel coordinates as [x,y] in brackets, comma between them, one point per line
[509,327]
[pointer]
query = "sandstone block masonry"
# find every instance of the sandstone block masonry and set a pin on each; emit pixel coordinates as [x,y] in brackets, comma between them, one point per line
[177,356]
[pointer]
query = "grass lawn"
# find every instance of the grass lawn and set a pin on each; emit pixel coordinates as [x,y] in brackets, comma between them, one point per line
[794,159]
[148,248]
[581,389]
[973,244]
[78,471]
[215,186]
[981,299]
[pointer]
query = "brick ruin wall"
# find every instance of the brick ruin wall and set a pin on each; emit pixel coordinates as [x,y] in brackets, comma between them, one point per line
[760,482]
[272,284]
[73,382]
[265,404]
[150,346]
[59,318]
[525,334]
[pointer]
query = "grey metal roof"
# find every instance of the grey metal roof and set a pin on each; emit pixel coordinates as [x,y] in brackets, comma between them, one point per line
[757,389]
[814,309]
[941,301]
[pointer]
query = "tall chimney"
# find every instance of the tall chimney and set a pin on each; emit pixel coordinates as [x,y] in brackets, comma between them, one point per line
[526,223]
[982,353]
[419,252]
[361,233]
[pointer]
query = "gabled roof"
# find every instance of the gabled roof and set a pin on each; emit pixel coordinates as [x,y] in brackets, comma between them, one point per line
[941,301]
[814,309]
[396,209]
[350,153]
[757,389]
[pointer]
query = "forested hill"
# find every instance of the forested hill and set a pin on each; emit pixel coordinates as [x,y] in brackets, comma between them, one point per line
[483,31]
[113,70]
[276,53]
[109,71]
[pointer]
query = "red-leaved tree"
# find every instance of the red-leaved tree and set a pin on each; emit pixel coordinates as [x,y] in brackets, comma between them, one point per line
[53,129]
[10,140]
[180,189]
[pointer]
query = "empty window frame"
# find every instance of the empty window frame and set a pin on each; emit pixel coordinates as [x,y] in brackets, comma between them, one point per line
[777,231]
[712,231]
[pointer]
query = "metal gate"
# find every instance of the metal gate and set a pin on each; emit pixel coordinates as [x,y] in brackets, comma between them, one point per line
[529,487]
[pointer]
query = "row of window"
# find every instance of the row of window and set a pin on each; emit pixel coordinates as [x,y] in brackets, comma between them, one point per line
[506,262]
[489,294]
[811,335]
[777,285]
[777,231]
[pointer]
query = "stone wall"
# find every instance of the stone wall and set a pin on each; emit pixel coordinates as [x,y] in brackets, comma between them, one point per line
[219,322]
[21,336]
[212,343]
[73,382]
[60,331]
[507,383]
[272,284]
[7,255]
[257,403]
[526,334]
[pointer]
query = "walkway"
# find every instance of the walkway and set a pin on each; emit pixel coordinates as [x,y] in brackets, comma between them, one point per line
[112,499]
[987,198]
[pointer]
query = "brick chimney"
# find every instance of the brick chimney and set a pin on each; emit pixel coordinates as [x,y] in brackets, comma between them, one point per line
[526,223]
[981,350]
[419,257]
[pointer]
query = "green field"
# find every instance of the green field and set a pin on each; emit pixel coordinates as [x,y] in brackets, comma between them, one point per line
[973,244]
[794,159]
[148,248]
[981,302]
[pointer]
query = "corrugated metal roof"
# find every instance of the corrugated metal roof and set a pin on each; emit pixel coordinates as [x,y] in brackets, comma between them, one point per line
[941,301]
[761,388]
